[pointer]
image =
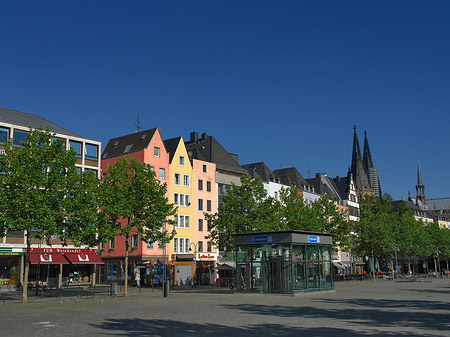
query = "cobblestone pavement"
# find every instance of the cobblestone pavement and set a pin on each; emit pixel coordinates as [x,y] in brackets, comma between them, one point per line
[357,308]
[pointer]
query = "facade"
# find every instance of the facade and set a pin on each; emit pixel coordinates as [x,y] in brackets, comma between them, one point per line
[205,201]
[147,147]
[180,194]
[51,262]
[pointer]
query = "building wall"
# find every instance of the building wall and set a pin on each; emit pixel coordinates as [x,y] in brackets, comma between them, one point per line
[178,190]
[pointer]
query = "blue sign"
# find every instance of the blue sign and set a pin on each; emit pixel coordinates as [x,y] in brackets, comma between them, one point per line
[261,239]
[313,238]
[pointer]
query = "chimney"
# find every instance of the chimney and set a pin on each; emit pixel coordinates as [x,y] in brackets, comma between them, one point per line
[204,135]
[194,137]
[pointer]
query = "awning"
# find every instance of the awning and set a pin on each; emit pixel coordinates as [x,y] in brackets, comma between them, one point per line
[338,265]
[82,258]
[231,265]
[46,258]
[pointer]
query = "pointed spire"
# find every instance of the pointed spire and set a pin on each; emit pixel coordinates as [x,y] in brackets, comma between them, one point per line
[420,189]
[419,176]
[367,158]
[356,154]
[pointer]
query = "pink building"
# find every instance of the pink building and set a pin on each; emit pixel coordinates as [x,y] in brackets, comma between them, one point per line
[148,147]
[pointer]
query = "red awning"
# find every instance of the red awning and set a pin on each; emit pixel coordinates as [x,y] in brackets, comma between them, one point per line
[81,258]
[46,258]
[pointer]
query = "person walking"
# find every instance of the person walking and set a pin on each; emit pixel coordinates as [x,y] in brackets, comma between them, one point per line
[137,278]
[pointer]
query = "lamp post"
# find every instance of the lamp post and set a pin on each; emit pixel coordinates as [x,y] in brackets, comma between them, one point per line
[395,253]
[195,263]
[165,281]
[438,264]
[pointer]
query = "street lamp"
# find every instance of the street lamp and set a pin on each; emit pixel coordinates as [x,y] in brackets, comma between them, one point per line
[438,264]
[195,262]
[395,253]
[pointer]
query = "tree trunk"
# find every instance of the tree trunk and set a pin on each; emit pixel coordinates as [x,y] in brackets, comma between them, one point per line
[125,290]
[373,268]
[26,272]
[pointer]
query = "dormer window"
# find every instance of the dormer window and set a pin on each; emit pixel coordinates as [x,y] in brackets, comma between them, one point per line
[143,136]
[128,148]
[116,143]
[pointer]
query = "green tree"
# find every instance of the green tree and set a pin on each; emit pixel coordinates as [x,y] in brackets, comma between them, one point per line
[133,201]
[373,234]
[245,208]
[36,179]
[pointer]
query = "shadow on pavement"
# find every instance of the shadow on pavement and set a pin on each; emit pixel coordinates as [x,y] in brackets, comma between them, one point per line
[369,313]
[141,327]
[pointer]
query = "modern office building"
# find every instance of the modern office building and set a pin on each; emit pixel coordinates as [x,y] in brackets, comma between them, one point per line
[50,260]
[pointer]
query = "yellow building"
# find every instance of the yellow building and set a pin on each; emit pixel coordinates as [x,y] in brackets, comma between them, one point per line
[180,194]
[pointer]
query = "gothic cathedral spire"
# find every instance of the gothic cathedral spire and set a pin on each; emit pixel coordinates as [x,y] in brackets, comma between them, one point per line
[420,187]
[370,169]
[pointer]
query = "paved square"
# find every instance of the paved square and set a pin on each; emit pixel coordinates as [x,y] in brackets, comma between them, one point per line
[383,308]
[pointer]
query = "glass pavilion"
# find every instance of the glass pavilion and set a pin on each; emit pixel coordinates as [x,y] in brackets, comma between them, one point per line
[285,262]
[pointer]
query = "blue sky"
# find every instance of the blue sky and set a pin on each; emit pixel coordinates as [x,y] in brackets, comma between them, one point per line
[276,81]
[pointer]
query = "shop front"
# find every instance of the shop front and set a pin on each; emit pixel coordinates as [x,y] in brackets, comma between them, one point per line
[57,267]
[283,262]
[206,268]
[10,266]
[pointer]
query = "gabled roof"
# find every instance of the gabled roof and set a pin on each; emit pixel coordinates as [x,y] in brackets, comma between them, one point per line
[208,149]
[343,186]
[29,120]
[325,185]
[121,145]
[171,146]
[291,177]
[261,170]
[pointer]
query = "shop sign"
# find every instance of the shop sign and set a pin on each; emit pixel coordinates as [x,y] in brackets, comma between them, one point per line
[63,250]
[10,252]
[313,238]
[261,239]
[206,256]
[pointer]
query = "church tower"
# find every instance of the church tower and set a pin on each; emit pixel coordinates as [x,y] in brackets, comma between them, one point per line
[360,175]
[370,169]
[420,190]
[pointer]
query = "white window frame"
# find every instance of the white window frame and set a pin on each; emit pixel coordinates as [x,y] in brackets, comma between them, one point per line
[186,180]
[163,175]
[181,160]
[156,152]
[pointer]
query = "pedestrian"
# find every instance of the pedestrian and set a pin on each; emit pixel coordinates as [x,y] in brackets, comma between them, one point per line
[137,278]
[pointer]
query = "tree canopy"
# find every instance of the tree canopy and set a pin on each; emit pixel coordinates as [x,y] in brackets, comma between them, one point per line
[133,201]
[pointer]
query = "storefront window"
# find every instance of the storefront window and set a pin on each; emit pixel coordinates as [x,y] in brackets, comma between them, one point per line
[111,271]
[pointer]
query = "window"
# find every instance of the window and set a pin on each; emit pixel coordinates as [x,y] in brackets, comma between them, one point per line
[101,246]
[200,246]
[208,205]
[112,244]
[181,161]
[162,173]
[200,185]
[135,241]
[186,245]
[208,186]
[181,221]
[111,271]
[180,199]
[200,225]
[4,135]
[128,148]
[200,204]
[19,137]
[156,152]
[76,146]
[209,247]
[177,179]
[175,245]
[150,243]
[94,172]
[91,152]
[186,180]
[152,168]
[205,168]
